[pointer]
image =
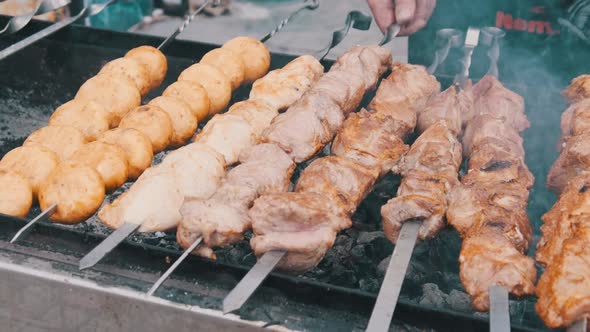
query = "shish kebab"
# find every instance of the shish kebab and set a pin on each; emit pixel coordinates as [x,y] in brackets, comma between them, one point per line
[403,215]
[421,206]
[224,138]
[563,248]
[222,219]
[293,230]
[112,97]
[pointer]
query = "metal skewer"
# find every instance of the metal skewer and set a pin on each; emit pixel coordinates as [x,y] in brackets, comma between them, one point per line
[29,226]
[499,309]
[16,23]
[266,264]
[85,12]
[445,40]
[579,326]
[113,240]
[127,228]
[492,37]
[396,270]
[471,41]
[260,272]
[394,277]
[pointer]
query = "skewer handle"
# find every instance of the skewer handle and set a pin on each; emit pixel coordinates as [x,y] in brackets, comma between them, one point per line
[185,23]
[394,278]
[492,37]
[471,41]
[499,309]
[29,226]
[252,280]
[354,19]
[309,5]
[174,266]
[445,40]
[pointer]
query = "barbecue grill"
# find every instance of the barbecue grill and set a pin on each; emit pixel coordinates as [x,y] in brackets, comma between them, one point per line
[40,275]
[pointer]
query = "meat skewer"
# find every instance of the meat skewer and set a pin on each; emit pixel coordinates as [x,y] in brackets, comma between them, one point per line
[563,248]
[225,136]
[422,211]
[293,230]
[142,56]
[222,219]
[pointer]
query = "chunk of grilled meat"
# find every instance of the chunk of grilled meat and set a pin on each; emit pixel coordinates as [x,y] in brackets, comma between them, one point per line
[571,210]
[222,219]
[302,223]
[430,169]
[450,106]
[573,160]
[578,90]
[487,258]
[485,128]
[283,87]
[493,99]
[345,182]
[408,89]
[575,121]
[371,139]
[313,121]
[564,287]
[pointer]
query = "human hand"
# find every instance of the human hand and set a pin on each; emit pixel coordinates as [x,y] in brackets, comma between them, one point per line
[411,15]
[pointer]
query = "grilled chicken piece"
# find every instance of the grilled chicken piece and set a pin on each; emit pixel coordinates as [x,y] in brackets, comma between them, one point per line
[575,121]
[578,90]
[573,160]
[564,289]
[155,199]
[229,135]
[408,88]
[223,219]
[282,87]
[488,258]
[345,182]
[303,223]
[436,151]
[571,210]
[368,62]
[257,113]
[430,169]
[420,197]
[313,121]
[482,128]
[371,139]
[449,106]
[493,99]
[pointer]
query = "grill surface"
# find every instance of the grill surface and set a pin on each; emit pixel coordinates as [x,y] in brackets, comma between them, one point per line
[340,290]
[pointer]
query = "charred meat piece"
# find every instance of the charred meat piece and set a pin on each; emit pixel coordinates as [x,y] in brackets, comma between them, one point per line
[223,219]
[436,151]
[430,169]
[345,182]
[303,223]
[578,90]
[575,121]
[409,87]
[495,100]
[573,160]
[371,139]
[449,106]
[564,288]
[571,211]
[488,258]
